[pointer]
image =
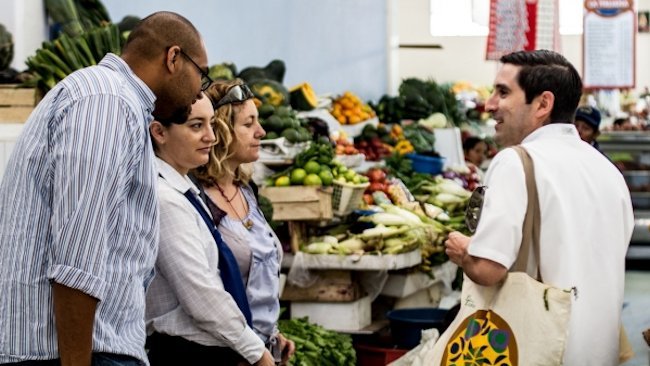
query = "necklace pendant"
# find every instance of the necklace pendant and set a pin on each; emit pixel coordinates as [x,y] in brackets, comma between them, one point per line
[248,224]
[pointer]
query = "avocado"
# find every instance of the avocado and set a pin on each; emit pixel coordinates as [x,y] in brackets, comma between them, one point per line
[275,123]
[283,111]
[291,135]
[265,110]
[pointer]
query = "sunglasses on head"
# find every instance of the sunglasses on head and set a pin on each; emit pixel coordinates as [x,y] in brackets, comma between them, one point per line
[236,94]
[474,208]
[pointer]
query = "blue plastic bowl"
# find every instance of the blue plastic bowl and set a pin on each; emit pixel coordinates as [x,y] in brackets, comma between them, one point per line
[426,164]
[406,325]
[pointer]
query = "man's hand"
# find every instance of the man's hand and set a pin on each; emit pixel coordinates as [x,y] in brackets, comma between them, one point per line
[480,270]
[266,360]
[456,247]
[288,348]
[74,315]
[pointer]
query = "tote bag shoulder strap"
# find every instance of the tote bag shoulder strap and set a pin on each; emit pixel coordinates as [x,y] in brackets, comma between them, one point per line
[531,227]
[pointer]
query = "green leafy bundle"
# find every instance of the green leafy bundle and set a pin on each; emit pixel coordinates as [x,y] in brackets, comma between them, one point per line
[62,56]
[77,16]
[317,346]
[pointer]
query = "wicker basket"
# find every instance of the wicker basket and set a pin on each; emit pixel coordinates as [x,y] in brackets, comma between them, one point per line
[347,197]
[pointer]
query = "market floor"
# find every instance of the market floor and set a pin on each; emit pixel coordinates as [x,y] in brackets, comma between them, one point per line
[636,314]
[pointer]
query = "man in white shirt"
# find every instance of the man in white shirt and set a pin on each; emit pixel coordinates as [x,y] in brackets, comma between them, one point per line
[586,213]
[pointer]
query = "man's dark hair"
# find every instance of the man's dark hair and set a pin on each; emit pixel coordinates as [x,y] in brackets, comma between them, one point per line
[544,70]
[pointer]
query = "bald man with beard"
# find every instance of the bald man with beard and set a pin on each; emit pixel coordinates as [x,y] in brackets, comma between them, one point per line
[78,203]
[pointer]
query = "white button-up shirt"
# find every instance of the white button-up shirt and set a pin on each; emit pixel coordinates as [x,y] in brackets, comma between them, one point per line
[78,207]
[586,226]
[187,297]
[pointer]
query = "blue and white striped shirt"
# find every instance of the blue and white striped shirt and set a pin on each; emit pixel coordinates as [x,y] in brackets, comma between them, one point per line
[78,206]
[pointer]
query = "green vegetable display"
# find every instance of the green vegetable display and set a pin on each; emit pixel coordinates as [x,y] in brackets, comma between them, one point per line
[77,16]
[270,91]
[60,57]
[316,346]
[221,71]
[65,13]
[421,138]
[322,152]
[418,99]
[283,122]
[273,71]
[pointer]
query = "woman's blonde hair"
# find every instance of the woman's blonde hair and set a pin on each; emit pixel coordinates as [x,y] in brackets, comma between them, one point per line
[224,132]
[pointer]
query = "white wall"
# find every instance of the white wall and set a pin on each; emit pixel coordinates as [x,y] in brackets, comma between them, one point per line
[463,58]
[25,19]
[336,45]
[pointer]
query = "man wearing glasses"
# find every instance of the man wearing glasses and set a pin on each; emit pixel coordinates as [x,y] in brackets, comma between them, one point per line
[78,203]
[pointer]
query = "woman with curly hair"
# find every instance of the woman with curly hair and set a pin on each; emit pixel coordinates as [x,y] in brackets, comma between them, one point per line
[231,197]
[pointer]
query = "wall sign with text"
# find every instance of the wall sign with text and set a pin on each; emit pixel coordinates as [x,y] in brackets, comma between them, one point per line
[608,44]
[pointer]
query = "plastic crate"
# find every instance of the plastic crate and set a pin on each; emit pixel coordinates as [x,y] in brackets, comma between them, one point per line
[406,325]
[347,197]
[368,355]
[426,164]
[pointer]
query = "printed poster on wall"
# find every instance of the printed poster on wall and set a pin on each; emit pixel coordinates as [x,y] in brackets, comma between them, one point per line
[609,45]
[517,25]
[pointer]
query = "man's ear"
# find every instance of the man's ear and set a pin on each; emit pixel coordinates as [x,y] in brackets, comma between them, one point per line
[158,132]
[172,58]
[545,103]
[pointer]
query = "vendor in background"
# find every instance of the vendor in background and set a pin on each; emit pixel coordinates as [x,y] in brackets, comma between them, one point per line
[194,314]
[475,150]
[622,124]
[587,122]
[225,182]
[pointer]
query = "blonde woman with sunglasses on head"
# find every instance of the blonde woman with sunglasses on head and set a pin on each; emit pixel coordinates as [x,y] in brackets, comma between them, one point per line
[227,191]
[195,312]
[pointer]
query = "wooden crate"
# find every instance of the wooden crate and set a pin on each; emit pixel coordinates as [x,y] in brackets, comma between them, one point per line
[332,286]
[16,104]
[299,202]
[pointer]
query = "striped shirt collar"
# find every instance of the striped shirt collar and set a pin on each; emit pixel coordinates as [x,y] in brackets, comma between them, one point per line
[116,63]
[181,183]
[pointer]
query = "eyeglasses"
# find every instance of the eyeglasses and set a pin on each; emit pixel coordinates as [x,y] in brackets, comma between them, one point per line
[205,79]
[474,208]
[236,94]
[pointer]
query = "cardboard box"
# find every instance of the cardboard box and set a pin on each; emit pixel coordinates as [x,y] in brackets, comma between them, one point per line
[338,316]
[299,202]
[332,286]
[16,104]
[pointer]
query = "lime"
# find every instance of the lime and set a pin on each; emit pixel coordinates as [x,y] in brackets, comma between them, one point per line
[326,177]
[312,180]
[349,175]
[325,167]
[283,181]
[297,176]
[312,167]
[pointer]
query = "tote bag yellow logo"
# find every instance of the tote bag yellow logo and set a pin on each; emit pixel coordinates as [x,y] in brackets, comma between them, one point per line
[483,338]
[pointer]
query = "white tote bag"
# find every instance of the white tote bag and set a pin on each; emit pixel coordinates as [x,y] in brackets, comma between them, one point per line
[520,321]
